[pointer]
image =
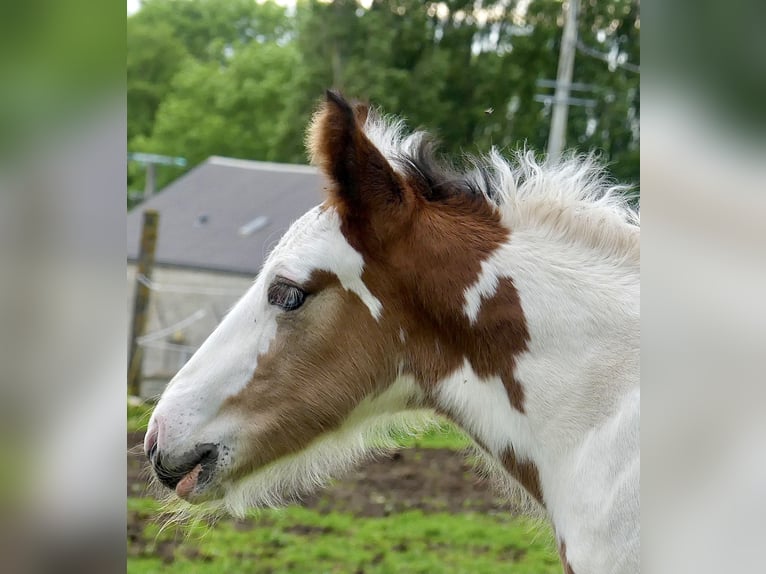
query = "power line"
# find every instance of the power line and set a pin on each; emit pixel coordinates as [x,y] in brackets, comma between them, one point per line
[548,99]
[605,57]
[183,323]
[170,288]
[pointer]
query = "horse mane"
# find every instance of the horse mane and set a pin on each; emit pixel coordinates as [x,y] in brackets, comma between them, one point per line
[573,197]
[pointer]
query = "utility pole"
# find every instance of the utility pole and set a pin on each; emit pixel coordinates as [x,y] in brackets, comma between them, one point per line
[557,134]
[141,298]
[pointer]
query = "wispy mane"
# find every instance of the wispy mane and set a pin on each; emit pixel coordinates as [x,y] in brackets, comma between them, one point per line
[573,196]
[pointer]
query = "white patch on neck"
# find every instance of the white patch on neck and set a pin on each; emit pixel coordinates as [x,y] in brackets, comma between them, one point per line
[492,270]
[484,410]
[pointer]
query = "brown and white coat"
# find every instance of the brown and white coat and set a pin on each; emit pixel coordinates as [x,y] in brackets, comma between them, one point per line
[505,298]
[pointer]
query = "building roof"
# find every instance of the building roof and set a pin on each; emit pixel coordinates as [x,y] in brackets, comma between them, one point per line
[226,214]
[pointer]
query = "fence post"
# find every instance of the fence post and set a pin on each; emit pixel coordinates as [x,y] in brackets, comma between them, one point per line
[141,298]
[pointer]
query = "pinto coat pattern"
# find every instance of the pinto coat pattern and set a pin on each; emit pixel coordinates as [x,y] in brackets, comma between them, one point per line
[505,297]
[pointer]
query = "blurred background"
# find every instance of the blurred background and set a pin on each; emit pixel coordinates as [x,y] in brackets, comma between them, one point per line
[240,78]
[219,95]
[66,180]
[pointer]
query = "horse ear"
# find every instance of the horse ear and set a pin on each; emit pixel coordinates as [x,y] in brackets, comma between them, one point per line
[364,183]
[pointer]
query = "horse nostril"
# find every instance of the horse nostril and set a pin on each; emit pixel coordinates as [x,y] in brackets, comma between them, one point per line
[152,451]
[150,442]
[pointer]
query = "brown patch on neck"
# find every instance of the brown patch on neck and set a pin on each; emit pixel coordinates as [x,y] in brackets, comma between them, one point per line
[501,321]
[563,555]
[525,472]
[421,277]
[423,232]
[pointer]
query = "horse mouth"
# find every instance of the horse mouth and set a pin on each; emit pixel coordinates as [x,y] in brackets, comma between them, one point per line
[191,474]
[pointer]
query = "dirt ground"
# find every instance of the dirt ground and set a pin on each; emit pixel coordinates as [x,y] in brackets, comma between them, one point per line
[430,480]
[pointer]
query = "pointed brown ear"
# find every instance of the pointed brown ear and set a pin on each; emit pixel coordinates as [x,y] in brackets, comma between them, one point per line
[364,183]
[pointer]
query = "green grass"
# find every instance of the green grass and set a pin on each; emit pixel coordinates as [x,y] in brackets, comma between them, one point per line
[442,435]
[138,416]
[298,540]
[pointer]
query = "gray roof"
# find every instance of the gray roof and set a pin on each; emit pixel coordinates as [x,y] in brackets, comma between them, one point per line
[225,214]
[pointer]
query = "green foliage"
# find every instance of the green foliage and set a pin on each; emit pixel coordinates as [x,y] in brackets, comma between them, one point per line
[300,540]
[238,78]
[233,110]
[205,78]
[443,435]
[154,57]
[206,28]
[138,416]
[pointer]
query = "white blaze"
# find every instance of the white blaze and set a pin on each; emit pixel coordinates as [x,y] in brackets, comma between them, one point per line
[226,361]
[327,250]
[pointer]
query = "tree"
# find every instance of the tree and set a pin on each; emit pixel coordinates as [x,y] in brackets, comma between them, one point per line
[154,58]
[174,48]
[209,28]
[233,110]
[246,77]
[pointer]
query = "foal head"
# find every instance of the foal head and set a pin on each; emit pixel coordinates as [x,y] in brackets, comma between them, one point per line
[358,313]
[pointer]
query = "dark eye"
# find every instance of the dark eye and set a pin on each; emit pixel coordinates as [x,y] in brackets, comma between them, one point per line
[286,296]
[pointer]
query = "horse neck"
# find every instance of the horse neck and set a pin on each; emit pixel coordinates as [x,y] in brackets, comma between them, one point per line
[580,361]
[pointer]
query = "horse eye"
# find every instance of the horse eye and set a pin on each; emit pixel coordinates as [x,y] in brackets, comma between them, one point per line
[286,296]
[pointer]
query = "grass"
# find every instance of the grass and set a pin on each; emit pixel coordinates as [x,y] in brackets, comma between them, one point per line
[299,540]
[138,416]
[442,435]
